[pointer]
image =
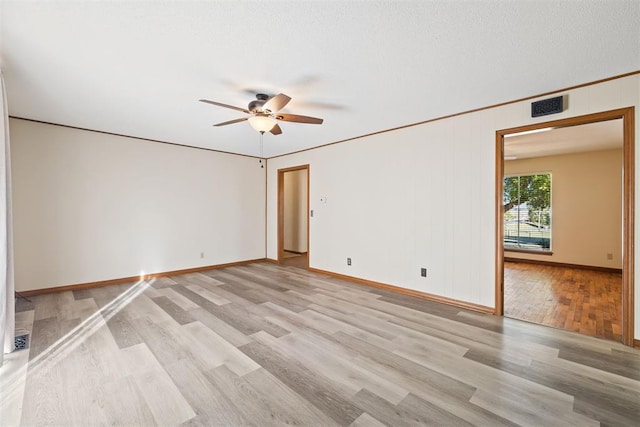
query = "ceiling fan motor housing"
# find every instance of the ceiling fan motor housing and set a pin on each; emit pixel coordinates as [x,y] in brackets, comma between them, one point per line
[256,105]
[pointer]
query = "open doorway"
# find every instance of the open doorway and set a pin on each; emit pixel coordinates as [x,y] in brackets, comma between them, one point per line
[293,225]
[564,208]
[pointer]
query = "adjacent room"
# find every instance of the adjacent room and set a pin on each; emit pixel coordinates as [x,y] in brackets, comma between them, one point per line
[563,227]
[292,211]
[319,213]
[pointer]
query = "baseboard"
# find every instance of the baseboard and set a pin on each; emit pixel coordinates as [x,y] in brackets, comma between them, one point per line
[636,343]
[410,292]
[272,261]
[564,265]
[131,279]
[295,252]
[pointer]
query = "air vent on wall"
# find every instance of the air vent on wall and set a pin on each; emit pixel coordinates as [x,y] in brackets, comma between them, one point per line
[547,106]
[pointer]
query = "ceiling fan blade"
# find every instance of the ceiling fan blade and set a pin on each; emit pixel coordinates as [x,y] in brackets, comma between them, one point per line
[230,122]
[299,119]
[276,130]
[219,104]
[276,103]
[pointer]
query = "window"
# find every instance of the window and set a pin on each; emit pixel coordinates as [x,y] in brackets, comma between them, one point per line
[527,212]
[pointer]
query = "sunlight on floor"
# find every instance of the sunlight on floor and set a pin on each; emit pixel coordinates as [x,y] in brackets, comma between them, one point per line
[13,373]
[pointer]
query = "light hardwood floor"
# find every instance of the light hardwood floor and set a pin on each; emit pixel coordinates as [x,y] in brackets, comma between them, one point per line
[585,301]
[265,344]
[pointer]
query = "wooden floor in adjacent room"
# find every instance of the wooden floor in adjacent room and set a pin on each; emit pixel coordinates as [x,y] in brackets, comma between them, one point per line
[585,301]
[266,344]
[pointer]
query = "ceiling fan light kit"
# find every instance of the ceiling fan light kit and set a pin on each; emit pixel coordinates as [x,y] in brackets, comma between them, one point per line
[262,123]
[263,111]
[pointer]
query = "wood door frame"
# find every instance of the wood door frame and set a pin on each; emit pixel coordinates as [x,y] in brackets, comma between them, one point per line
[281,173]
[628,227]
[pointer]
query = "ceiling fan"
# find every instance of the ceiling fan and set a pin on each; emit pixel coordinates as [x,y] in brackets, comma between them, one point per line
[264,114]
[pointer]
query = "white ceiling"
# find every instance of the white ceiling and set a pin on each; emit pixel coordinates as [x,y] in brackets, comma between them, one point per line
[567,140]
[138,68]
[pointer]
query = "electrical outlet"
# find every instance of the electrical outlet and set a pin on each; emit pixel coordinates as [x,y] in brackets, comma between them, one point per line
[423,272]
[609,256]
[348,261]
[201,255]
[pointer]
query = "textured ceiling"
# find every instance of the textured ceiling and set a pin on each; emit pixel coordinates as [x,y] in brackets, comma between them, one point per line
[138,68]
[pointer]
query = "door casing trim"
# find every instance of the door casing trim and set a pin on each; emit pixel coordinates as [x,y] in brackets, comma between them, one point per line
[628,225]
[281,173]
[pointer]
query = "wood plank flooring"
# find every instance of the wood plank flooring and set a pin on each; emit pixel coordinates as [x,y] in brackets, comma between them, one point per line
[295,260]
[271,345]
[585,301]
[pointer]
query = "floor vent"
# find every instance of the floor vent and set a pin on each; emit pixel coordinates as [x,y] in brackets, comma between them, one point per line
[21,342]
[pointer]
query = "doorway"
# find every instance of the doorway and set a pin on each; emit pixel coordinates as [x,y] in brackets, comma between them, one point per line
[293,221]
[545,242]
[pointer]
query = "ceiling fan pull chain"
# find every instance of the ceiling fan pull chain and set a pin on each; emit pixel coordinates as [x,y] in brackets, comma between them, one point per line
[261,149]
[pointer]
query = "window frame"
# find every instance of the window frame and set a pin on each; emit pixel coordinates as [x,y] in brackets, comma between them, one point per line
[537,251]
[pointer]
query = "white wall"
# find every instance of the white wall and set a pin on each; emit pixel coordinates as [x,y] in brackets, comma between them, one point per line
[91,207]
[586,197]
[383,212]
[295,211]
[424,196]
